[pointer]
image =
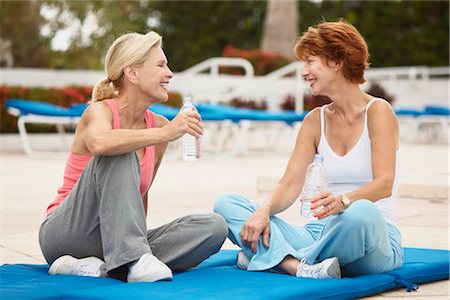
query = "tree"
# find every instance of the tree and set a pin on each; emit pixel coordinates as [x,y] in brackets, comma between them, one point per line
[196,30]
[192,30]
[22,33]
[398,33]
[280,27]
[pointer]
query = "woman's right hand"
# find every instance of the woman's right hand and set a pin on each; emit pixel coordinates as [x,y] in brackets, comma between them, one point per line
[184,122]
[258,223]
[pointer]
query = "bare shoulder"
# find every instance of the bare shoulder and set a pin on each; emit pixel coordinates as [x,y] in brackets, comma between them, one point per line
[381,107]
[310,130]
[312,118]
[381,119]
[97,109]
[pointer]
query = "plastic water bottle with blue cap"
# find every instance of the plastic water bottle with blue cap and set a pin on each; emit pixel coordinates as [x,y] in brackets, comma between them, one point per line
[190,145]
[315,182]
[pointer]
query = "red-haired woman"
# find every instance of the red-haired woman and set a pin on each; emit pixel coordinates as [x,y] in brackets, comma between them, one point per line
[357,136]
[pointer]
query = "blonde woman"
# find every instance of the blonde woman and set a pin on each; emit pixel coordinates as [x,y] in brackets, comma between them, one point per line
[96,226]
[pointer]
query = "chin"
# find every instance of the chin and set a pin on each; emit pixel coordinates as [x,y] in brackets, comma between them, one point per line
[163,98]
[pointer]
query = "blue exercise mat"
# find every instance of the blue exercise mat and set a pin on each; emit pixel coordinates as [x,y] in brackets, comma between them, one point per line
[219,278]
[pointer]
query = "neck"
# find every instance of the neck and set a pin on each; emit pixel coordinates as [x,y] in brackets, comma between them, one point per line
[347,98]
[132,108]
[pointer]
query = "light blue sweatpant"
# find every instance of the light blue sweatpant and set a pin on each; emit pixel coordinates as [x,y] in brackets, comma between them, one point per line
[360,237]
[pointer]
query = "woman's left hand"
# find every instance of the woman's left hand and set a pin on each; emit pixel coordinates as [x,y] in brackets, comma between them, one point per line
[330,205]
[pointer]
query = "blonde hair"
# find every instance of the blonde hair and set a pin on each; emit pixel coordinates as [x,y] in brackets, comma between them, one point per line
[128,49]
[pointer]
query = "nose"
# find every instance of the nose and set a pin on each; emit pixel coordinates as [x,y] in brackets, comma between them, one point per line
[169,73]
[304,72]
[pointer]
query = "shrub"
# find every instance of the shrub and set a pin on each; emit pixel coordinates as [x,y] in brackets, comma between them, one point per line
[375,89]
[239,102]
[288,103]
[263,62]
[309,102]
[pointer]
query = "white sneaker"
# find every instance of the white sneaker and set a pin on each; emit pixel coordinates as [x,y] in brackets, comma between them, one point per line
[149,269]
[69,265]
[329,268]
[242,261]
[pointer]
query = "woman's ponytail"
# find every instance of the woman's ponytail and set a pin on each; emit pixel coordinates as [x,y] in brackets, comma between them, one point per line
[104,89]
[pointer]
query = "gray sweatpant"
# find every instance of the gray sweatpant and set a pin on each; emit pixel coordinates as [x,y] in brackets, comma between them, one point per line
[104,216]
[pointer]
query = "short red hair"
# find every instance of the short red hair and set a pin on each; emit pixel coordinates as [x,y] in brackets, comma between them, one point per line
[339,42]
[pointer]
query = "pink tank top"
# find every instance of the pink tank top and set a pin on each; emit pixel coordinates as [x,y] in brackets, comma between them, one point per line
[76,163]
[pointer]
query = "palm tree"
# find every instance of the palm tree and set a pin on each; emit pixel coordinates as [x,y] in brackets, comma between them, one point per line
[280,27]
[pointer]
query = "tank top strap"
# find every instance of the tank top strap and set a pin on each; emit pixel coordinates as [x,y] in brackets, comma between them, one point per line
[322,121]
[115,111]
[366,128]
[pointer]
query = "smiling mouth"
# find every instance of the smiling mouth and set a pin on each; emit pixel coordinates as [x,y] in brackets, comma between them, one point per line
[164,85]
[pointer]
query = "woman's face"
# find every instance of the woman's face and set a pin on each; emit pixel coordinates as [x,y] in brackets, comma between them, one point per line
[154,75]
[319,74]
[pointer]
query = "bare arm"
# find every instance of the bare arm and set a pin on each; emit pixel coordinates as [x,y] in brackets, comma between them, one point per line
[100,139]
[291,184]
[289,187]
[383,132]
[384,136]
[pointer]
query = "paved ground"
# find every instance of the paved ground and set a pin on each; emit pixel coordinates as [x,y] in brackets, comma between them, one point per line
[29,184]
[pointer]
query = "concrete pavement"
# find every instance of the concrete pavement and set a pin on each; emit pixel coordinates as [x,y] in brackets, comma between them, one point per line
[180,188]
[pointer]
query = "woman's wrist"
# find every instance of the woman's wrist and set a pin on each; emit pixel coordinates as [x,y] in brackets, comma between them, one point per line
[265,208]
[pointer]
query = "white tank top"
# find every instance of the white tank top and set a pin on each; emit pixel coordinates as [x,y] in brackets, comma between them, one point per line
[354,169]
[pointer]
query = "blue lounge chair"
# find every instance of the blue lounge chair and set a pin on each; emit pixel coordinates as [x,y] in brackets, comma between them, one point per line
[427,125]
[433,124]
[38,112]
[245,120]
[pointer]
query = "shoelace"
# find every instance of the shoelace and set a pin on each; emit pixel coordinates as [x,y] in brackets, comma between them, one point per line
[83,272]
[308,270]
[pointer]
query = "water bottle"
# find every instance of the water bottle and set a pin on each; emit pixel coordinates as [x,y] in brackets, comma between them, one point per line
[315,182]
[190,145]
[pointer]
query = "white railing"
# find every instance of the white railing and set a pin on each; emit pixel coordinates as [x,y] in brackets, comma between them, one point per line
[214,64]
[265,82]
[439,71]
[205,83]
[411,86]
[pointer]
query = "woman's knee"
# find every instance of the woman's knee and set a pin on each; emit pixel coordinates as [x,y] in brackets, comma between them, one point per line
[362,213]
[122,162]
[227,203]
[218,227]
